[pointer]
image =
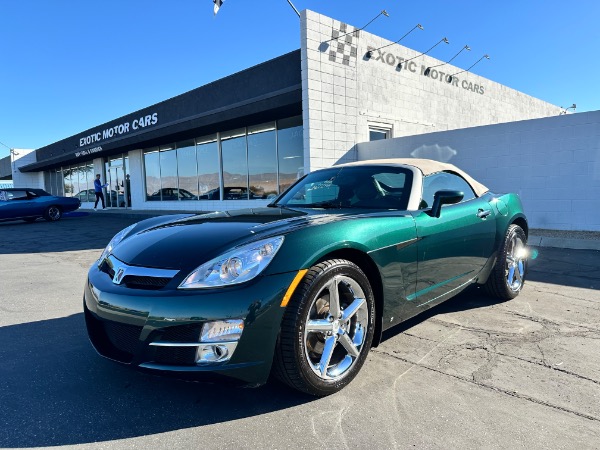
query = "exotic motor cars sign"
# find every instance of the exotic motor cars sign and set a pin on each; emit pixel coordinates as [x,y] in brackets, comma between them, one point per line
[117,130]
[411,66]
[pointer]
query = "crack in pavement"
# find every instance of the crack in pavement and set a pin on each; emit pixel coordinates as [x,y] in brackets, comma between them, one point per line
[550,366]
[551,324]
[546,323]
[419,337]
[570,297]
[493,388]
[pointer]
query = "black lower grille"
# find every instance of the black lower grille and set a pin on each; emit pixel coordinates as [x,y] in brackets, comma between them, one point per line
[179,356]
[189,333]
[114,340]
[122,336]
[181,333]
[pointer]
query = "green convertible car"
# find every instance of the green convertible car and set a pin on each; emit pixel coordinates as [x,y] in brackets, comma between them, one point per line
[302,288]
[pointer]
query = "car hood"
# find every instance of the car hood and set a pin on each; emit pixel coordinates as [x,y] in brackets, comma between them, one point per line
[185,243]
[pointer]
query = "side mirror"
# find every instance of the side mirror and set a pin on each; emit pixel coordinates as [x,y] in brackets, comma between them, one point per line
[445,197]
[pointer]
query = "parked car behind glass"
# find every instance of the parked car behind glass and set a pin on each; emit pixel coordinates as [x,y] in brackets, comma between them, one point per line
[172,194]
[115,198]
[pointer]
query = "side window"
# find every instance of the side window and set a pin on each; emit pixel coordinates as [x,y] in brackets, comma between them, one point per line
[377,133]
[444,180]
[16,195]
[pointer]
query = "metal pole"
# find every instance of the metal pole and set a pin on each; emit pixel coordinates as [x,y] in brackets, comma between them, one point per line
[293,7]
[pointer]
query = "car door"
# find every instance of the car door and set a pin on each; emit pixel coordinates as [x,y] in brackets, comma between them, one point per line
[454,247]
[15,204]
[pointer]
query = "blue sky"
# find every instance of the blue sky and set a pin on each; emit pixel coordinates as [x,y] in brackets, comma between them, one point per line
[66,65]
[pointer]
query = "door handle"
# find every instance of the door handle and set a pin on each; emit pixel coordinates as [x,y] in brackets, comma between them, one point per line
[482,214]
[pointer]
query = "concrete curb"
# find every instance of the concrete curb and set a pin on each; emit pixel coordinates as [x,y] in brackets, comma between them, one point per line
[561,242]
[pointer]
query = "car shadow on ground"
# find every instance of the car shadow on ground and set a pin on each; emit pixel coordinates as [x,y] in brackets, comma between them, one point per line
[56,390]
[471,298]
[556,266]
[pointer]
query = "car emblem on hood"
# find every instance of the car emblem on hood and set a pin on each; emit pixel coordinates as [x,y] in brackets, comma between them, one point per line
[119,275]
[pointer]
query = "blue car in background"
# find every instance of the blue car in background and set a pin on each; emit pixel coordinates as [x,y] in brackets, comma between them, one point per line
[30,204]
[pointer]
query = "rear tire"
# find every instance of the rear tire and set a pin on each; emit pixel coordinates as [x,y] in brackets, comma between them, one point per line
[52,213]
[508,275]
[327,329]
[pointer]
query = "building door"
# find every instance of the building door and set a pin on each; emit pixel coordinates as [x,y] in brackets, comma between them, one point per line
[116,196]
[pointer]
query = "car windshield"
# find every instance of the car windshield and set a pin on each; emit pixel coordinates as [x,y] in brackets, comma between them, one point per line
[365,187]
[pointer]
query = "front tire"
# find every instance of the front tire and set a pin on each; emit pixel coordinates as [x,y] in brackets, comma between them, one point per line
[327,329]
[52,213]
[508,275]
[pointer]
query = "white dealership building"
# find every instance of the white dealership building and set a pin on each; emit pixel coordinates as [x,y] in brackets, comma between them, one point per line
[345,95]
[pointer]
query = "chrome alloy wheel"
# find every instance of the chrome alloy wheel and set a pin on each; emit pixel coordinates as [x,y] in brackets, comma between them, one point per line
[54,213]
[336,328]
[516,260]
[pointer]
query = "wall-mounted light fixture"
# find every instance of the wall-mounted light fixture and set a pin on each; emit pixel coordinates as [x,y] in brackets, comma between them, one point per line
[428,70]
[444,40]
[450,77]
[370,52]
[325,44]
[565,110]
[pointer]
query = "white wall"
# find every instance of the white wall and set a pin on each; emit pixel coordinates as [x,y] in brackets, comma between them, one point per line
[552,163]
[341,98]
[21,157]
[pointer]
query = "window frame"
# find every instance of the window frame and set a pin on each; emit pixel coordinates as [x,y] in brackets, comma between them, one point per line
[386,130]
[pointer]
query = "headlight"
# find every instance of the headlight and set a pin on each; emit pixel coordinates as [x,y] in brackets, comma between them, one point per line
[114,242]
[234,267]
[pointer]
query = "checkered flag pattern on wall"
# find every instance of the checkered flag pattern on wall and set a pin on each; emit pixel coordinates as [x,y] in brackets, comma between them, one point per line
[218,4]
[344,44]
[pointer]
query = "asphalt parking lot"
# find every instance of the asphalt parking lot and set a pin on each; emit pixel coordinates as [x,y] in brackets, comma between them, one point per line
[469,373]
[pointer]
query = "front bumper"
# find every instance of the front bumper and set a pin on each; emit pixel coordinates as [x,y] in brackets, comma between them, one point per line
[122,324]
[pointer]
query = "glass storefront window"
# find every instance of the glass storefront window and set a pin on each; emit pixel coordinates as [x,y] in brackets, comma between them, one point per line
[47,182]
[235,165]
[290,151]
[262,161]
[152,170]
[187,171]
[67,182]
[89,170]
[168,173]
[74,180]
[207,153]
[58,182]
[79,178]
[257,162]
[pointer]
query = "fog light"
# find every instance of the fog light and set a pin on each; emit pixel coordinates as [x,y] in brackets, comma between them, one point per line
[215,353]
[218,341]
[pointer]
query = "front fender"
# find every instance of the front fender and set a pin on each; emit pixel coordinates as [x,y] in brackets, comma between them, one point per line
[304,247]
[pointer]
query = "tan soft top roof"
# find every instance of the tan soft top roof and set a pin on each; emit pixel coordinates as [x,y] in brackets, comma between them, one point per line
[427,167]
